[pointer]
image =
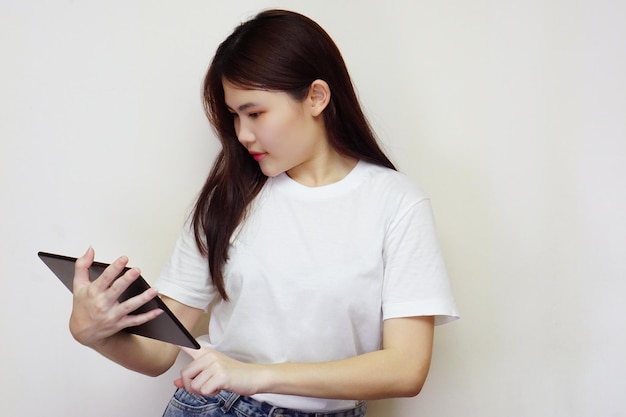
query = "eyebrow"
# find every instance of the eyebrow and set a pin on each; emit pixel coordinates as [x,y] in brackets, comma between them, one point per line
[243,107]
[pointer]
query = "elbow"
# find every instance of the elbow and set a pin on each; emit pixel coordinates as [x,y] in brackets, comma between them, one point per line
[160,358]
[410,384]
[158,368]
[413,389]
[155,372]
[408,388]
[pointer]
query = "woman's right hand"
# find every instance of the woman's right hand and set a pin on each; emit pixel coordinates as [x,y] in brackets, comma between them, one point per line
[96,313]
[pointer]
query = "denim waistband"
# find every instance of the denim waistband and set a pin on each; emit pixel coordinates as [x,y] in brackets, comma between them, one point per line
[249,405]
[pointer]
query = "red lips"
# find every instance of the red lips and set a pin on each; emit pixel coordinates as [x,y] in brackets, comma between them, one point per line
[258,155]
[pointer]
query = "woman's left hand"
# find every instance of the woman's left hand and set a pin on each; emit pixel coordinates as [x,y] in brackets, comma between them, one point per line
[212,371]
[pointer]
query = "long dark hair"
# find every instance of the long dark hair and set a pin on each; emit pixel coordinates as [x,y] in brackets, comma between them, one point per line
[283,51]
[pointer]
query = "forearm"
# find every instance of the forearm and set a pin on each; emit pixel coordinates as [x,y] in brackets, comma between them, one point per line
[381,374]
[147,356]
[398,370]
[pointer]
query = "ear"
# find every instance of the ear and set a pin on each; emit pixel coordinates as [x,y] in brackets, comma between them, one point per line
[319,97]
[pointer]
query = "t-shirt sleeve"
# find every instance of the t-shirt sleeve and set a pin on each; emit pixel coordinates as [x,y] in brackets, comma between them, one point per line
[415,278]
[185,276]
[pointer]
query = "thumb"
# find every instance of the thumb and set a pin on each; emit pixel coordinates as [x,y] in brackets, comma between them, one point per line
[81,268]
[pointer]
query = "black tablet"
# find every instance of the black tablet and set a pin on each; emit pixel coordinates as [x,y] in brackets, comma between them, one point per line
[165,327]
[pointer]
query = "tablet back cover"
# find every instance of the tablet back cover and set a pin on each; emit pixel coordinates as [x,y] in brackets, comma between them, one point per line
[165,327]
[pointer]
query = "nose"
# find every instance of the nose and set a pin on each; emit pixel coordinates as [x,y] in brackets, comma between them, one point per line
[244,133]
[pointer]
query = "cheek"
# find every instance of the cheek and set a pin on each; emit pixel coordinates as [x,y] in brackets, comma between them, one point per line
[272,134]
[282,133]
[291,130]
[236,125]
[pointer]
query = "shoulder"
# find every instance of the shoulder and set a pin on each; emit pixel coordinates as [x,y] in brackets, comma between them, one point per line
[390,184]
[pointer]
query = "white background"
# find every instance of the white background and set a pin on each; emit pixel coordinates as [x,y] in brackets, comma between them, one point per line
[511,114]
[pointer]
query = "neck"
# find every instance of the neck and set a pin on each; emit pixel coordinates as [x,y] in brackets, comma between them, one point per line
[327,168]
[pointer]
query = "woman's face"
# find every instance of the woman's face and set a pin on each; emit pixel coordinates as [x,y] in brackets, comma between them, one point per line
[280,133]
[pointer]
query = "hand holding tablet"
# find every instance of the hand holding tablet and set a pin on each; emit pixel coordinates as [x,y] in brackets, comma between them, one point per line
[165,326]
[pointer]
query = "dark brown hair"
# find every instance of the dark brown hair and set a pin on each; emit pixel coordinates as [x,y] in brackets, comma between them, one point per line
[282,51]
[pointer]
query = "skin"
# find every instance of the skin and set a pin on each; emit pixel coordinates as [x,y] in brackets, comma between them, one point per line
[284,135]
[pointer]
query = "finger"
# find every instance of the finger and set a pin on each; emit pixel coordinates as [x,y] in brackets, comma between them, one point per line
[203,383]
[81,268]
[110,274]
[178,383]
[131,304]
[186,378]
[132,320]
[197,379]
[194,353]
[125,308]
[121,284]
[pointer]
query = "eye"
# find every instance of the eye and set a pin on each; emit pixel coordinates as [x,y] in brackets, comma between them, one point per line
[254,115]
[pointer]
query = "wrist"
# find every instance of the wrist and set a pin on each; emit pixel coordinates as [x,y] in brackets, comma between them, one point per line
[264,379]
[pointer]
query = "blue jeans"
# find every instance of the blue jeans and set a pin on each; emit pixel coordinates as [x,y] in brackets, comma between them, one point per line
[228,404]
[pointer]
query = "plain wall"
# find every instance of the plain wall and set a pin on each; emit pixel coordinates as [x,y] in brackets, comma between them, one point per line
[511,114]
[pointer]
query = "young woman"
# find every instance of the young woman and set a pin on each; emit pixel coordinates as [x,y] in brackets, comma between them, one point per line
[317,259]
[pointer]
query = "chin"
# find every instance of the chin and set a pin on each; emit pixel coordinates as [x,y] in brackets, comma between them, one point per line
[271,172]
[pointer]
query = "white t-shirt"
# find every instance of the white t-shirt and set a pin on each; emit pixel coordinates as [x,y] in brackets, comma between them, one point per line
[314,271]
